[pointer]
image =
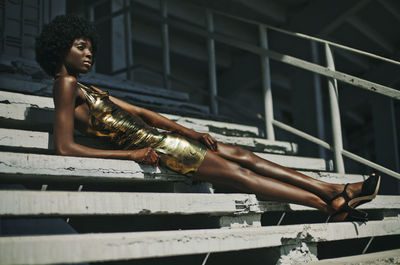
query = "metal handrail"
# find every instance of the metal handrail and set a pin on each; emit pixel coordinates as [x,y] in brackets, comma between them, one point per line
[308,37]
[287,59]
[336,75]
[324,144]
[299,63]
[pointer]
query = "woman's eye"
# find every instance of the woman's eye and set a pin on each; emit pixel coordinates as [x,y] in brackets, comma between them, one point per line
[81,48]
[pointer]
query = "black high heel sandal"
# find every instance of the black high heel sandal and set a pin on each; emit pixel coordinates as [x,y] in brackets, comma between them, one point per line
[353,214]
[369,191]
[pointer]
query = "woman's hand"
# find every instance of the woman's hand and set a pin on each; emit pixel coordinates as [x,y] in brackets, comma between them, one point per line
[208,140]
[145,156]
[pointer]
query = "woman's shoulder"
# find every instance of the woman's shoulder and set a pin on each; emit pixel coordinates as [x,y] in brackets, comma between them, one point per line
[65,87]
[68,80]
[65,82]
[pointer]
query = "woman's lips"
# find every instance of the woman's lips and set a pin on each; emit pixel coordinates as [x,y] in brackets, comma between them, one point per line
[88,64]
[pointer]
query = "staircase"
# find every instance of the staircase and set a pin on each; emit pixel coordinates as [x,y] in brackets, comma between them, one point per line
[57,209]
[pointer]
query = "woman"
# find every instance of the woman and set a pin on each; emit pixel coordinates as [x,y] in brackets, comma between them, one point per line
[66,48]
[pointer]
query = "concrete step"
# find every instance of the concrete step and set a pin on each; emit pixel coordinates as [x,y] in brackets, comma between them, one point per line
[135,245]
[63,203]
[59,203]
[44,140]
[22,103]
[11,83]
[388,257]
[22,165]
[66,168]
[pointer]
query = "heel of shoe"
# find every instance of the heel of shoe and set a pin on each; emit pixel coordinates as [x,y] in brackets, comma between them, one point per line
[355,214]
[352,214]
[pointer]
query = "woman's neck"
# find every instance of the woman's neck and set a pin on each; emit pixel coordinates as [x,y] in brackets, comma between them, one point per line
[61,70]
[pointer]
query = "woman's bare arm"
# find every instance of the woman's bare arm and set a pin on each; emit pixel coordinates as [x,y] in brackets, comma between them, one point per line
[156,120]
[64,100]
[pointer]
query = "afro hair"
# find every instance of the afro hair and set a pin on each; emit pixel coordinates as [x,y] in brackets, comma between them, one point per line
[57,38]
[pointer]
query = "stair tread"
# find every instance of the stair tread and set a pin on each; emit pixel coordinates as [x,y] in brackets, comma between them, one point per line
[41,102]
[43,140]
[149,203]
[387,257]
[135,245]
[40,165]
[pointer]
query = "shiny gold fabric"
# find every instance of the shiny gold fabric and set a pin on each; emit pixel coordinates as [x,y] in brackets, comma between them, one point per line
[129,132]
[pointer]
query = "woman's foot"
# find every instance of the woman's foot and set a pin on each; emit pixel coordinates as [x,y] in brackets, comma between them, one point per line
[353,195]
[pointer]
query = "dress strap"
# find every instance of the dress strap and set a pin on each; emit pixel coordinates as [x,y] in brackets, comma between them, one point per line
[88,92]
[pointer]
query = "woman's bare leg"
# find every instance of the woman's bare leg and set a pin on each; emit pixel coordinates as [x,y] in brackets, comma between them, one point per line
[249,160]
[216,169]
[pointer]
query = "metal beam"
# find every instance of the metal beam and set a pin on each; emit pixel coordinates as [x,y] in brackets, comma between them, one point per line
[335,114]
[319,110]
[266,84]
[165,44]
[212,68]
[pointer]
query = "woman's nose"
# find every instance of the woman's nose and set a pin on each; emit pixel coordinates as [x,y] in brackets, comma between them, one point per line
[89,54]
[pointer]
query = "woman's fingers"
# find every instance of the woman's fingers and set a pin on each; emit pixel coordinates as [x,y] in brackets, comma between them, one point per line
[210,142]
[147,156]
[152,157]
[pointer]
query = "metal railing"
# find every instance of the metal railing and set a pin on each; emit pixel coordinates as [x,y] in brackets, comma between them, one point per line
[265,55]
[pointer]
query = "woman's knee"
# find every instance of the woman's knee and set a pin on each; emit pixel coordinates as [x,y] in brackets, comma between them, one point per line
[241,153]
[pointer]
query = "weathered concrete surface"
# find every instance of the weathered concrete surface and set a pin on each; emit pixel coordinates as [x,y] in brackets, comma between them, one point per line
[389,257]
[116,203]
[14,165]
[11,98]
[51,165]
[380,202]
[251,220]
[121,246]
[298,253]
[29,100]
[13,203]
[26,139]
[29,138]
[335,177]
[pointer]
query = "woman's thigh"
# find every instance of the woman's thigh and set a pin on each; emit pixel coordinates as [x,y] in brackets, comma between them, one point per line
[236,154]
[219,170]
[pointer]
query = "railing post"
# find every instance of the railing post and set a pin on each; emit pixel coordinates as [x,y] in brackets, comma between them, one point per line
[91,19]
[335,114]
[165,43]
[318,100]
[128,39]
[212,71]
[266,84]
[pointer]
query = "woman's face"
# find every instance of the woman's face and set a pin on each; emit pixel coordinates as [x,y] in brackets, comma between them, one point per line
[79,58]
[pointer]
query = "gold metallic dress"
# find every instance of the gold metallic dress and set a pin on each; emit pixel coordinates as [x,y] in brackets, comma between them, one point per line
[107,120]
